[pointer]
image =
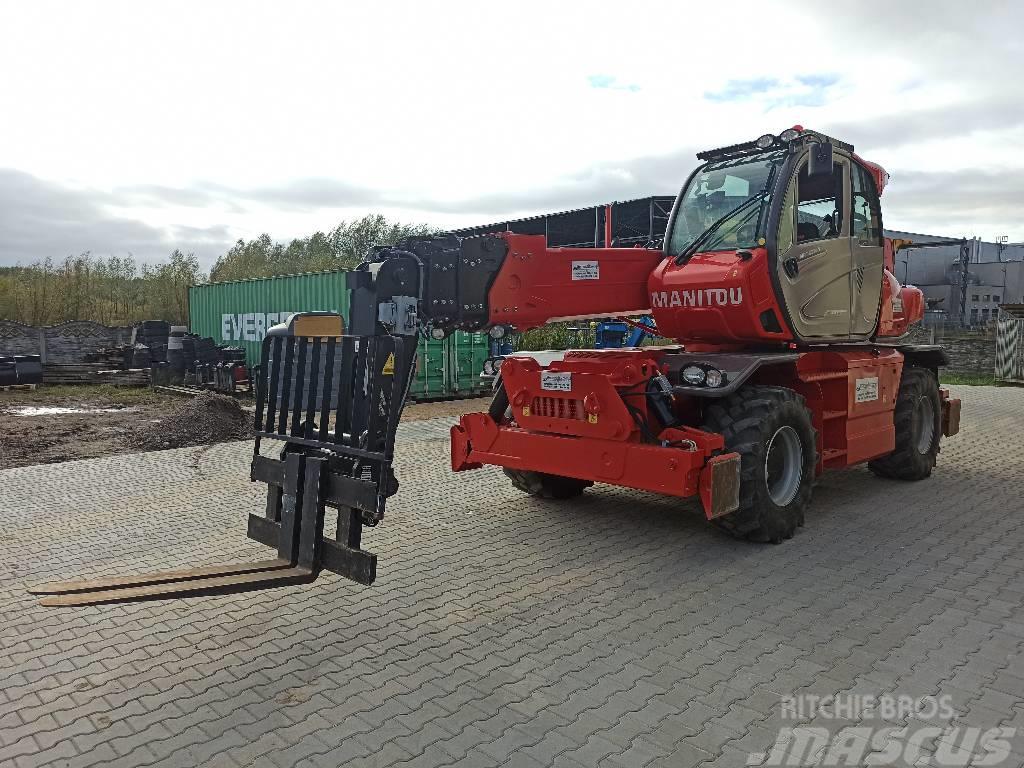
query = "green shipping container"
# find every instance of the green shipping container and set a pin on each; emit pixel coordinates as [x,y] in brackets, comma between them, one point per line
[451,368]
[238,313]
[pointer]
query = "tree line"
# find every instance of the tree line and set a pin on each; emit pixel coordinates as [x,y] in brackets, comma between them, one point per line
[120,291]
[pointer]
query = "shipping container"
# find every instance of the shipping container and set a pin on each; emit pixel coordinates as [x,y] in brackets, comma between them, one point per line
[238,313]
[452,367]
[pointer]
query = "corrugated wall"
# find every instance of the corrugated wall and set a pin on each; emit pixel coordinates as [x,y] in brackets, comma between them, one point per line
[238,313]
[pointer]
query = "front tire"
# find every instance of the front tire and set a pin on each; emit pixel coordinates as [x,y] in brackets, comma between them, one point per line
[918,428]
[770,428]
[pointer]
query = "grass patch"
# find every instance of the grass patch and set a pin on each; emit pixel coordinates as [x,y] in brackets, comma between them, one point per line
[969,379]
[82,393]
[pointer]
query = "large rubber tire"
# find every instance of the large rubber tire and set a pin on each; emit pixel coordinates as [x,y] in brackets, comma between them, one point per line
[546,486]
[917,419]
[763,423]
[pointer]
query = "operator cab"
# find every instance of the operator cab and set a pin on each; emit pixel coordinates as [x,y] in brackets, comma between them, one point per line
[774,239]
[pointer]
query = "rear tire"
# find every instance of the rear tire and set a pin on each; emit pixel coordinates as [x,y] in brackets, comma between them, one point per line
[918,428]
[546,486]
[770,428]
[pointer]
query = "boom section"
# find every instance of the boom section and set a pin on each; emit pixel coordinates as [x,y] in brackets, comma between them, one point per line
[508,279]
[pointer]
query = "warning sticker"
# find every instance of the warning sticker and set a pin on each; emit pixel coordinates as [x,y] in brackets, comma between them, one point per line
[389,365]
[556,382]
[866,389]
[586,270]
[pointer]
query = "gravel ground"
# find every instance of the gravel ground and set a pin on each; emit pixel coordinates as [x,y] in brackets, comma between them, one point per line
[89,422]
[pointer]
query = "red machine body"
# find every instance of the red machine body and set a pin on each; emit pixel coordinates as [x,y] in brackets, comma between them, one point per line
[590,415]
[585,431]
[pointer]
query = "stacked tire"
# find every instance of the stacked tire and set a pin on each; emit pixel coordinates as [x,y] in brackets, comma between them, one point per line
[29,369]
[8,372]
[154,334]
[176,360]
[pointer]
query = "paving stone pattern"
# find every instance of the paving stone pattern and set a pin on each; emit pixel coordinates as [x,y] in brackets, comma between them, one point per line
[615,630]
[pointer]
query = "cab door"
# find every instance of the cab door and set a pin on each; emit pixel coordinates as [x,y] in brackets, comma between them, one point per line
[814,260]
[867,253]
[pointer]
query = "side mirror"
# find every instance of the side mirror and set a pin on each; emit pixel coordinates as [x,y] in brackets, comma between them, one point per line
[820,161]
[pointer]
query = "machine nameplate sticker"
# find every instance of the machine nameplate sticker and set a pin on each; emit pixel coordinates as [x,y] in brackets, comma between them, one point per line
[866,390]
[586,270]
[897,305]
[556,382]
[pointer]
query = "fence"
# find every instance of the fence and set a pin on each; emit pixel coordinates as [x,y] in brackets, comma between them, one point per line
[971,352]
[1009,356]
[60,344]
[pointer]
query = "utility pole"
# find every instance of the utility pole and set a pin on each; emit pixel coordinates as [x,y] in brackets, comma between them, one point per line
[1001,242]
[965,259]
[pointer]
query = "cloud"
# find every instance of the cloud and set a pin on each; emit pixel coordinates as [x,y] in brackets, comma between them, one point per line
[311,192]
[737,90]
[457,126]
[953,202]
[953,120]
[602,182]
[41,219]
[817,81]
[610,82]
[810,90]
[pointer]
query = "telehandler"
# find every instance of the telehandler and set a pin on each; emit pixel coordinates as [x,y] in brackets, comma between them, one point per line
[776,283]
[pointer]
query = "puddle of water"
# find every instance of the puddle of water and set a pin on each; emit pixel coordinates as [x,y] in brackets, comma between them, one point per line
[50,410]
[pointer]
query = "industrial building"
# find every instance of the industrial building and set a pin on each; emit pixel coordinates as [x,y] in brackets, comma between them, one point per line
[963,283]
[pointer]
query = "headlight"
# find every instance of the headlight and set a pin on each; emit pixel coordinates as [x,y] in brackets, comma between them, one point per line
[497,332]
[714,377]
[437,333]
[765,142]
[693,375]
[789,134]
[489,367]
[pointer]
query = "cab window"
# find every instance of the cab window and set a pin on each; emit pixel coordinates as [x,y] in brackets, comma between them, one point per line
[819,205]
[865,211]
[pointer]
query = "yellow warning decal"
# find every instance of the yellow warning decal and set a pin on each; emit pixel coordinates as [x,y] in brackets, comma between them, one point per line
[592,418]
[526,410]
[389,365]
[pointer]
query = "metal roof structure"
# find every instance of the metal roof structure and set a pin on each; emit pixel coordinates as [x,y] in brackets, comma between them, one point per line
[638,222]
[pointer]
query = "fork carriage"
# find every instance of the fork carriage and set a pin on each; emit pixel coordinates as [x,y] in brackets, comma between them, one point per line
[334,401]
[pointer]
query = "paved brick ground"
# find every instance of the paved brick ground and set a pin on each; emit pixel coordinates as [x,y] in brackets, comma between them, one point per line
[615,630]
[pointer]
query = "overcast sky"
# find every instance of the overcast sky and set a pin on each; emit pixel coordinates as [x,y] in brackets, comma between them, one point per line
[139,127]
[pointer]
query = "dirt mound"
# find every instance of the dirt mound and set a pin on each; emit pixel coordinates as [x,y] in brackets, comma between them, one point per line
[205,418]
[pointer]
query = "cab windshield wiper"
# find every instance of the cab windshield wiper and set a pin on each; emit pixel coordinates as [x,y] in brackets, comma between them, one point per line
[691,249]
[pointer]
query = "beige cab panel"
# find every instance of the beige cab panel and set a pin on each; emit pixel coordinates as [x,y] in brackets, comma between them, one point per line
[814,263]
